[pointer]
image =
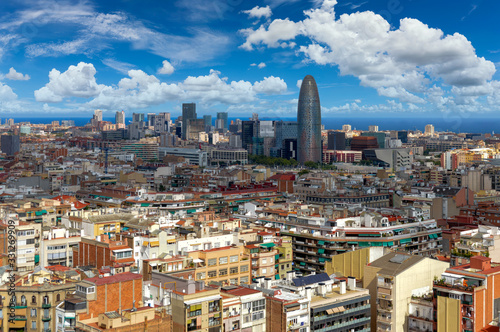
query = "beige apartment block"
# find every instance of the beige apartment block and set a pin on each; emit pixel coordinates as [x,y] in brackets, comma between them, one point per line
[392,280]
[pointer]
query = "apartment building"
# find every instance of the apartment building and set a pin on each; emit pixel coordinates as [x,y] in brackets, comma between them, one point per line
[27,236]
[314,246]
[195,307]
[284,258]
[228,265]
[392,281]
[244,309]
[57,246]
[36,296]
[263,258]
[96,296]
[104,252]
[466,297]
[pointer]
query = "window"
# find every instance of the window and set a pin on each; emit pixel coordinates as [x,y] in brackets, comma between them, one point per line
[33,324]
[58,297]
[222,260]
[244,280]
[212,274]
[233,281]
[200,276]
[223,272]
[244,268]
[123,254]
[259,305]
[212,261]
[233,259]
[233,270]
[33,312]
[257,315]
[264,260]
[45,299]
[33,299]
[264,271]
[23,300]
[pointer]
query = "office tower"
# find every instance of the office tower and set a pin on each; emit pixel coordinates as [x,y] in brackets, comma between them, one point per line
[336,140]
[380,136]
[151,119]
[98,115]
[161,123]
[9,122]
[208,121]
[429,130]
[138,117]
[403,136]
[10,144]
[194,127]
[249,130]
[360,143]
[120,117]
[309,122]
[373,128]
[188,113]
[283,130]
[346,128]
[223,116]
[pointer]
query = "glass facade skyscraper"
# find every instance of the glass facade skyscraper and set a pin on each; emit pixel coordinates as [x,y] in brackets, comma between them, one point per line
[309,122]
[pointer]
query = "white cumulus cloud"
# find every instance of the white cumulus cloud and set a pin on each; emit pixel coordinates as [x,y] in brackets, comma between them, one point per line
[16,76]
[166,69]
[77,81]
[402,62]
[258,12]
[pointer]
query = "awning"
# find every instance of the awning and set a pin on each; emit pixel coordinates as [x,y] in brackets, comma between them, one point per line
[321,243]
[191,211]
[144,204]
[402,241]
[340,309]
[277,257]
[37,258]
[377,244]
[145,243]
[388,244]
[321,251]
[39,213]
[155,244]
[267,245]
[171,241]
[197,260]
[364,244]
[277,277]
[350,242]
[302,263]
[330,311]
[17,324]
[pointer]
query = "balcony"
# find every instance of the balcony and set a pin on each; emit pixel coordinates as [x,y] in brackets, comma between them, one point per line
[46,305]
[384,319]
[385,284]
[45,318]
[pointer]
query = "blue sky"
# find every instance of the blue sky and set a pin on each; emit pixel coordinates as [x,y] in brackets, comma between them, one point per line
[383,58]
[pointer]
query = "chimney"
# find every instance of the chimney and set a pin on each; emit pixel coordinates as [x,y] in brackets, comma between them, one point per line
[321,289]
[308,293]
[342,287]
[351,283]
[267,283]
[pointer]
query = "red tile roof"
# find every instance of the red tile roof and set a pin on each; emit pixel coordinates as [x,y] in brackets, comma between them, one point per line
[126,276]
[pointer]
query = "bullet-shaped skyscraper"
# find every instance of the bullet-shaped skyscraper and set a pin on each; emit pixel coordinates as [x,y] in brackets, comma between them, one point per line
[309,122]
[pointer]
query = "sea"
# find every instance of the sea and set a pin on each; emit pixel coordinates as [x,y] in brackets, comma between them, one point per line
[449,123]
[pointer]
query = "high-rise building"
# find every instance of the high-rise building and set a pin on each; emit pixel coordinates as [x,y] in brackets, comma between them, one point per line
[161,123]
[336,140]
[120,117]
[403,136]
[151,119]
[138,117]
[98,115]
[282,131]
[429,130]
[223,116]
[208,121]
[10,144]
[188,113]
[373,128]
[309,146]
[346,128]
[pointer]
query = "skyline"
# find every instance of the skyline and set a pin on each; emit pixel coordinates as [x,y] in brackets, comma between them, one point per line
[77,56]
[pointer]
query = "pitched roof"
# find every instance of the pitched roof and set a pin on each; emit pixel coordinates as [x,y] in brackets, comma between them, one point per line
[121,277]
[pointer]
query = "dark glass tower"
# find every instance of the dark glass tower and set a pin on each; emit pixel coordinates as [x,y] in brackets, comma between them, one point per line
[309,118]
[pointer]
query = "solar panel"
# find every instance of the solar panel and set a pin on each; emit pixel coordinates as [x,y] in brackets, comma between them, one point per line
[311,279]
